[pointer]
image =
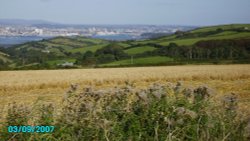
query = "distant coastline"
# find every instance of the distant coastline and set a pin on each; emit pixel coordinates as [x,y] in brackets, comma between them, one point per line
[117,37]
[13,40]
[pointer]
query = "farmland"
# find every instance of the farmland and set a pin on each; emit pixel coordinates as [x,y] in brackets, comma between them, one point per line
[139,50]
[27,86]
[192,41]
[205,45]
[112,96]
[188,102]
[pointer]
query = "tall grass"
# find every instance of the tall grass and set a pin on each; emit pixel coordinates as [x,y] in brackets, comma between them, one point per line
[162,111]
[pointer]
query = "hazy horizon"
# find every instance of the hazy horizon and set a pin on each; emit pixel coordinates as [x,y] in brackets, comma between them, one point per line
[130,12]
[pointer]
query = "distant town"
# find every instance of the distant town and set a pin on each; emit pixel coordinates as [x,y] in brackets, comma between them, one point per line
[21,31]
[86,30]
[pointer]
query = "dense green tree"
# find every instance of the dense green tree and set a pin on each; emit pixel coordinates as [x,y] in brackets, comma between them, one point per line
[110,53]
[212,49]
[105,58]
[88,58]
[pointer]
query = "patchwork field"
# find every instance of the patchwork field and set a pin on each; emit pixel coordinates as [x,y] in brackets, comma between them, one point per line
[226,42]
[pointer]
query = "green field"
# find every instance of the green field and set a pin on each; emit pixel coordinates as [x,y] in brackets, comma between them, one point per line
[75,47]
[56,51]
[139,50]
[77,41]
[141,61]
[161,39]
[90,48]
[56,62]
[68,42]
[224,27]
[4,57]
[194,40]
[124,45]
[90,40]
[227,34]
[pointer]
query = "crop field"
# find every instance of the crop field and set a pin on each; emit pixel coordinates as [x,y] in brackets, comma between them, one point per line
[50,85]
[194,102]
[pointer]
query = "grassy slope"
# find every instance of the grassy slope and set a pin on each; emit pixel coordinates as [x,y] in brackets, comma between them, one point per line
[77,44]
[224,27]
[124,44]
[92,48]
[183,41]
[189,41]
[139,50]
[56,62]
[4,57]
[194,40]
[60,45]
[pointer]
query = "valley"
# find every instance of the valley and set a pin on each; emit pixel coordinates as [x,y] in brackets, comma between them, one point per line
[225,44]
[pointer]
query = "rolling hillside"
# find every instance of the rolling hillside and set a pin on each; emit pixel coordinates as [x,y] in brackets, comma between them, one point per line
[60,45]
[85,51]
[4,57]
[52,52]
[224,27]
[206,33]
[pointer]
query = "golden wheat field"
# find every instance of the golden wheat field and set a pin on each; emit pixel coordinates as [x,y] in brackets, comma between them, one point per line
[51,85]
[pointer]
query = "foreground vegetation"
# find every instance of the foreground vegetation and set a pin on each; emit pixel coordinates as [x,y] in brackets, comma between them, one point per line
[147,103]
[159,112]
[225,44]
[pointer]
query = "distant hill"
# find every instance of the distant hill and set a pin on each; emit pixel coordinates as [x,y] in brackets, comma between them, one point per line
[205,33]
[216,44]
[224,27]
[4,59]
[23,22]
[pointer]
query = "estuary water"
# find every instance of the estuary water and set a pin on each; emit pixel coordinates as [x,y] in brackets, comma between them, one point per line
[13,40]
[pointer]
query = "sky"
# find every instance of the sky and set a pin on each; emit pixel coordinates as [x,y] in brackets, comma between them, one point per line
[153,12]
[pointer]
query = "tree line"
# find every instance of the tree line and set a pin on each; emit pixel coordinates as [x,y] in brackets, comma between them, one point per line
[211,49]
[226,49]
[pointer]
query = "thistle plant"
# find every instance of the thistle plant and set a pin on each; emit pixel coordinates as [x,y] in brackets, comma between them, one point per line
[162,111]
